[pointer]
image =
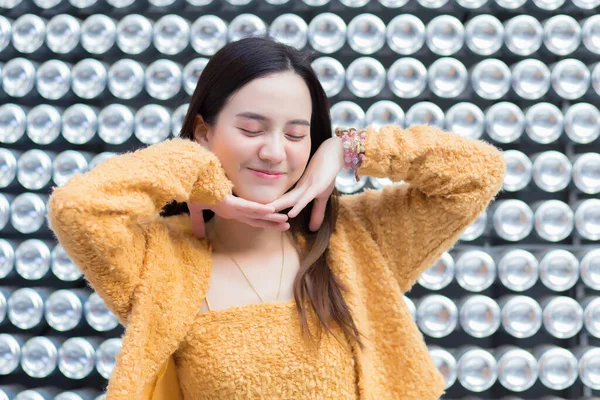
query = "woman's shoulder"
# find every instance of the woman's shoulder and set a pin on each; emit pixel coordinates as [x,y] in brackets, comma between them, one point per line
[178,223]
[174,230]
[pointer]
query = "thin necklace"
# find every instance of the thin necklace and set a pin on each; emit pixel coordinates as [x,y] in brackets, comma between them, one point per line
[240,268]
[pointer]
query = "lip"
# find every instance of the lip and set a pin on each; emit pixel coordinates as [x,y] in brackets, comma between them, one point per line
[265,175]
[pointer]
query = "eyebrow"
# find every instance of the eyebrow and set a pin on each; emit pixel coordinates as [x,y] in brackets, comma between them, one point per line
[259,117]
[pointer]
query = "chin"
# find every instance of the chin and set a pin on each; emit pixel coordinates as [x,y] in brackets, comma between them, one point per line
[259,195]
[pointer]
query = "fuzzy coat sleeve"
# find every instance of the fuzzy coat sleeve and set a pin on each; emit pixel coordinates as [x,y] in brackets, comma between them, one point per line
[100,217]
[448,180]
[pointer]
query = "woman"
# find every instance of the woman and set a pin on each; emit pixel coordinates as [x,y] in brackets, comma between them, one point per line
[235,273]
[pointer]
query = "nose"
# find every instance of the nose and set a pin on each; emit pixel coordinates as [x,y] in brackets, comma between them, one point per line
[273,149]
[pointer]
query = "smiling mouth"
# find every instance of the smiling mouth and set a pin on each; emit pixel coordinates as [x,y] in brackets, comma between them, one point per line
[266,173]
[265,176]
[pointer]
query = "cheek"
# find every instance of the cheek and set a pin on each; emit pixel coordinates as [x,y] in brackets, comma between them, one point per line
[305,155]
[231,152]
[302,159]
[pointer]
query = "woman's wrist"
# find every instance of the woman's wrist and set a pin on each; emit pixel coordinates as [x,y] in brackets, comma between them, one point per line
[353,144]
[339,150]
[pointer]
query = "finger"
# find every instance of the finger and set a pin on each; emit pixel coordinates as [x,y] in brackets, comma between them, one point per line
[250,206]
[318,214]
[199,228]
[259,223]
[275,217]
[299,206]
[287,200]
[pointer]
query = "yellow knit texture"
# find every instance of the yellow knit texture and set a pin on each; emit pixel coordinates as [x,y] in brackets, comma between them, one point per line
[153,273]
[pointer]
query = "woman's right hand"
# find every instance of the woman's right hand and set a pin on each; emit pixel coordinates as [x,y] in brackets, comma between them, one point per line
[231,207]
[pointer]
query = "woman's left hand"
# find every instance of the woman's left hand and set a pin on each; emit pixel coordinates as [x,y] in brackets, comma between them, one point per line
[317,182]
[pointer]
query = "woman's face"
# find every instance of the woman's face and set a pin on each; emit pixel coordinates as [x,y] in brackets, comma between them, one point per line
[265,125]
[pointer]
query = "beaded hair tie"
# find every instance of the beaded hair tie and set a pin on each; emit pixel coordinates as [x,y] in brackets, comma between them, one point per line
[354,148]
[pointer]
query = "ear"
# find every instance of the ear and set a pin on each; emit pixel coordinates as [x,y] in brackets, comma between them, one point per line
[200,131]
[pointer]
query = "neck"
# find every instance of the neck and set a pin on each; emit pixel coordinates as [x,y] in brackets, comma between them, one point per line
[233,236]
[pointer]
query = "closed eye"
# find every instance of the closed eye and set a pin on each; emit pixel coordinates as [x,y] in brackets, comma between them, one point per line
[249,131]
[255,133]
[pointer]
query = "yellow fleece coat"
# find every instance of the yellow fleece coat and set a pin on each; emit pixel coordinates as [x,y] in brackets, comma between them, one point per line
[153,273]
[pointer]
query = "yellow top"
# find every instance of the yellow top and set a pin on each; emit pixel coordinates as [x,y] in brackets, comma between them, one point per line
[238,353]
[153,273]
